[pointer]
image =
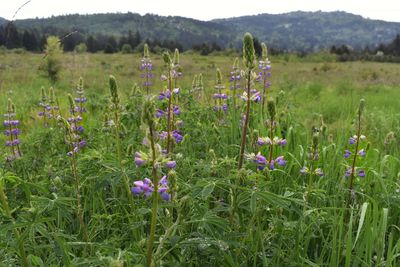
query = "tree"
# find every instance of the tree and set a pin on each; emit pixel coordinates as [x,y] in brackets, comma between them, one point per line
[29,41]
[13,38]
[91,44]
[257,47]
[53,52]
[111,45]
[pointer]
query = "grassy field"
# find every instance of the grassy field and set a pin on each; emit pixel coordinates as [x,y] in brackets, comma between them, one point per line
[218,215]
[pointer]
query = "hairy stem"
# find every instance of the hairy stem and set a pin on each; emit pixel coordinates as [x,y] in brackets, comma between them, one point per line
[169,148]
[246,122]
[353,165]
[150,242]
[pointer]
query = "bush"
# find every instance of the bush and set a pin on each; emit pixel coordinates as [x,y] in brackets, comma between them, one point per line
[81,48]
[53,51]
[126,49]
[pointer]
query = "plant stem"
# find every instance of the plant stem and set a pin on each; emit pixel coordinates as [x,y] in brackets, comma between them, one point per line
[149,254]
[169,114]
[271,136]
[79,211]
[264,95]
[353,166]
[246,121]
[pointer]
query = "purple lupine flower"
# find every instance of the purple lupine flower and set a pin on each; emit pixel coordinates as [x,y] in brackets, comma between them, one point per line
[139,161]
[171,164]
[70,153]
[319,172]
[145,187]
[348,172]
[361,173]
[176,110]
[261,161]
[243,120]
[177,135]
[304,170]
[256,97]
[352,140]
[163,135]
[362,153]
[282,142]
[347,153]
[82,143]
[225,107]
[79,129]
[281,161]
[272,165]
[216,96]
[160,113]
[164,95]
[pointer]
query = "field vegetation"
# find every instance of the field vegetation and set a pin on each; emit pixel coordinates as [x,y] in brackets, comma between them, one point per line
[319,183]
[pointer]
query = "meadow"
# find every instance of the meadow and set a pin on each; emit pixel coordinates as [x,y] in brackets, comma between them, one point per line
[61,207]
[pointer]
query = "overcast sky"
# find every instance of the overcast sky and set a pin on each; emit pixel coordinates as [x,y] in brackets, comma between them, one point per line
[388,10]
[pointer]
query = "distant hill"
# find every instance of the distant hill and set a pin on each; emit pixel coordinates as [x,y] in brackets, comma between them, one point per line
[303,31]
[314,30]
[185,30]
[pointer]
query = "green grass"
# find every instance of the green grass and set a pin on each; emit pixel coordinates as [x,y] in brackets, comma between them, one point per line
[221,216]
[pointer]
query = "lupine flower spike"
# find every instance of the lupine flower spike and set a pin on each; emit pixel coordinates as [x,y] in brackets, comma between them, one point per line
[272,141]
[235,78]
[170,95]
[12,132]
[80,98]
[53,102]
[313,157]
[219,97]
[264,75]
[45,108]
[355,152]
[147,187]
[249,63]
[146,66]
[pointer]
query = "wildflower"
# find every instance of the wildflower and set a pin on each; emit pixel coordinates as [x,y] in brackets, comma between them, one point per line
[347,153]
[281,161]
[352,140]
[361,153]
[146,188]
[261,161]
[176,110]
[319,172]
[361,173]
[177,135]
[146,67]
[304,170]
[11,131]
[348,173]
[160,113]
[171,164]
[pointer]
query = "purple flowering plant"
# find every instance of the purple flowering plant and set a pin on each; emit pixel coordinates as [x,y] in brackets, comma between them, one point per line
[11,131]
[356,151]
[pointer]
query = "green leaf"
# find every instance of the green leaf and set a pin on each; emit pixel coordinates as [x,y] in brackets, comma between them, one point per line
[207,190]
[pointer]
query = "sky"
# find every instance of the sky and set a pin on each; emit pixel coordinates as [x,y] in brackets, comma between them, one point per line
[388,10]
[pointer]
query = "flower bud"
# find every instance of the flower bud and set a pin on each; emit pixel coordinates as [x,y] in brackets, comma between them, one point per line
[248,51]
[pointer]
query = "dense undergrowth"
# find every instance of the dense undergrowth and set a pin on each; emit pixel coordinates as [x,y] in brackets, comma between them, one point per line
[216,214]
